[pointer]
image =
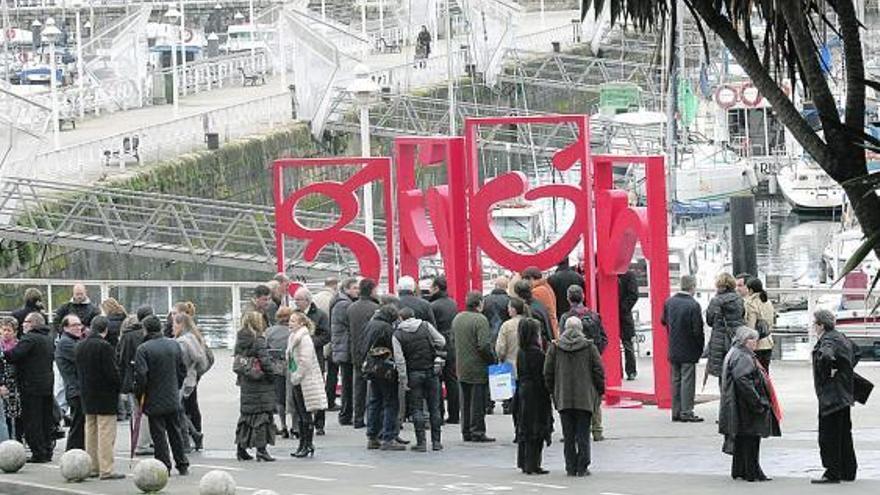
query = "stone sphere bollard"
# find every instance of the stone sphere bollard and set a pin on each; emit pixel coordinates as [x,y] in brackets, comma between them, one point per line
[12,456]
[217,483]
[150,476]
[76,465]
[265,492]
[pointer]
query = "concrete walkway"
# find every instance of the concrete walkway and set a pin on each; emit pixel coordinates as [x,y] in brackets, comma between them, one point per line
[644,454]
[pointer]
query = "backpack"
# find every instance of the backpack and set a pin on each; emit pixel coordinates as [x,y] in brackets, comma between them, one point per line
[593,328]
[379,365]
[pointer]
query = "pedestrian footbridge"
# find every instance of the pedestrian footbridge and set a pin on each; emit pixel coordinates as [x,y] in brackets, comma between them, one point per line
[220,233]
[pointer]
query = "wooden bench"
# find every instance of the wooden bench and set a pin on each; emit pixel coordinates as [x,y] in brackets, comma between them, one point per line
[128,152]
[66,120]
[385,47]
[252,79]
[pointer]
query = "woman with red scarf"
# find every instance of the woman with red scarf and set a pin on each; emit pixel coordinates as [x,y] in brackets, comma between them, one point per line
[749,409]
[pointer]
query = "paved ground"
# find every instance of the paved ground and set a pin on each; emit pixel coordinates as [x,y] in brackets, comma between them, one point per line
[645,454]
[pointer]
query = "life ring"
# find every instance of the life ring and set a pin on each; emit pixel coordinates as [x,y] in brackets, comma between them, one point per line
[726,96]
[187,35]
[749,95]
[10,34]
[23,57]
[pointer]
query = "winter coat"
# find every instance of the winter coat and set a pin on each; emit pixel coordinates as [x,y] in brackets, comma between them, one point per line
[573,372]
[416,344]
[321,337]
[495,309]
[129,341]
[420,307]
[195,358]
[277,336]
[308,375]
[114,328]
[340,335]
[539,312]
[745,407]
[158,374]
[683,319]
[755,310]
[534,417]
[65,358]
[322,300]
[9,379]
[542,292]
[628,296]
[507,344]
[473,347]
[724,315]
[834,357]
[359,314]
[445,309]
[98,376]
[377,333]
[255,396]
[84,310]
[560,281]
[33,358]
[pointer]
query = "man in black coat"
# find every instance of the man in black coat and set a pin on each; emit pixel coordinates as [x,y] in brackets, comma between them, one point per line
[834,358]
[158,376]
[406,293]
[99,389]
[33,357]
[628,296]
[71,334]
[303,302]
[495,306]
[560,281]
[33,303]
[132,336]
[79,305]
[445,310]
[683,319]
[359,314]
[340,336]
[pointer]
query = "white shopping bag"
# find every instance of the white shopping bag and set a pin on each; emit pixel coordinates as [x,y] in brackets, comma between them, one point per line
[501,383]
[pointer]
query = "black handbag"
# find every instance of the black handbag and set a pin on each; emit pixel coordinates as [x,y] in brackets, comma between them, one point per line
[379,365]
[862,388]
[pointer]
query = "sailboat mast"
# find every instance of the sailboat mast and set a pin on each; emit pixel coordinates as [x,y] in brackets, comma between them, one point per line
[671,99]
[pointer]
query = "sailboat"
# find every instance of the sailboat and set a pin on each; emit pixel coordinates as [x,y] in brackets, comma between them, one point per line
[809,189]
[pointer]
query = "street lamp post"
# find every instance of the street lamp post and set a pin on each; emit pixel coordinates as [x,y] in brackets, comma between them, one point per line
[252,36]
[171,15]
[364,90]
[51,34]
[80,69]
[183,47]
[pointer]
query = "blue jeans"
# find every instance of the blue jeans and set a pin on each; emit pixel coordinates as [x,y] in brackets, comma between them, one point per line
[382,410]
[4,430]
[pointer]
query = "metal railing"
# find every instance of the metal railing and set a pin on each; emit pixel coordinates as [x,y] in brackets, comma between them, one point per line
[217,72]
[219,305]
[165,140]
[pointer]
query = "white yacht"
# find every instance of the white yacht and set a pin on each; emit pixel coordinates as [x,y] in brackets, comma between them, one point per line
[809,189]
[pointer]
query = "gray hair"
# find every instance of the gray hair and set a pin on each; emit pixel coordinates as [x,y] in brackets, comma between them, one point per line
[36,319]
[743,334]
[406,283]
[304,292]
[825,318]
[573,323]
[688,283]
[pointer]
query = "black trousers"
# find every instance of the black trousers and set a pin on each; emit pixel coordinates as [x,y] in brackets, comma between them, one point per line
[836,446]
[330,383]
[359,395]
[38,423]
[346,408]
[165,429]
[473,409]
[191,408]
[576,432]
[746,458]
[528,455]
[76,435]
[449,377]
[305,418]
[629,355]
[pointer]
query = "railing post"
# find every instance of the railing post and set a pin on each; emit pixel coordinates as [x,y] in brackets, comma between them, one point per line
[811,308]
[49,300]
[170,296]
[236,306]
[105,291]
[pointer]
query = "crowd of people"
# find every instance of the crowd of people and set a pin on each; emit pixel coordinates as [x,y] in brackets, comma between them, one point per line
[384,360]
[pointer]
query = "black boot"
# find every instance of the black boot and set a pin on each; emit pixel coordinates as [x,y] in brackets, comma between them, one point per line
[300,448]
[420,445]
[263,455]
[308,449]
[242,454]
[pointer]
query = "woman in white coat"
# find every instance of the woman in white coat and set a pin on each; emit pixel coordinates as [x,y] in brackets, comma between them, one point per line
[308,382]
